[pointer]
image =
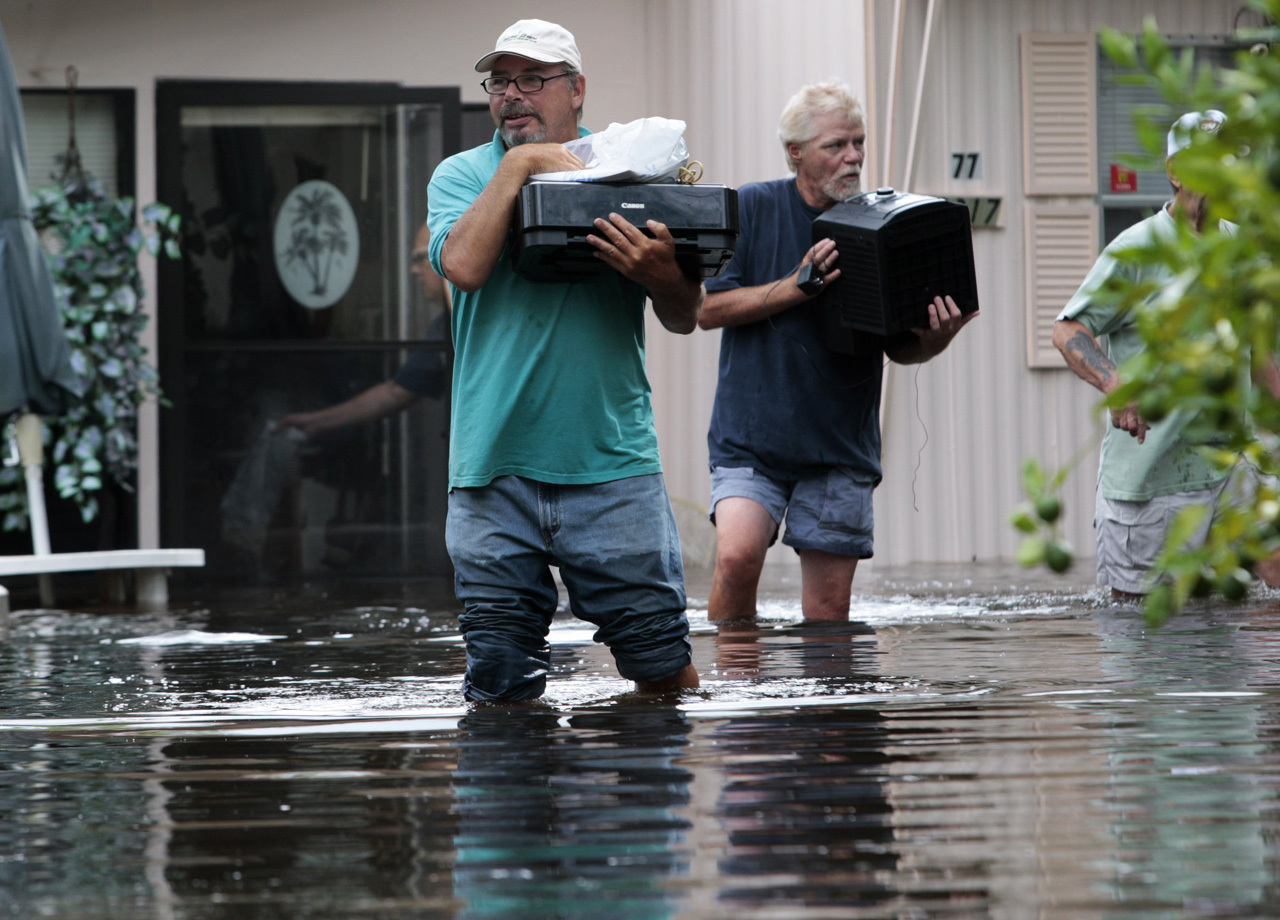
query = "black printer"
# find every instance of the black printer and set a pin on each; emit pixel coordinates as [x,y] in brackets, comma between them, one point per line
[897,252]
[553,220]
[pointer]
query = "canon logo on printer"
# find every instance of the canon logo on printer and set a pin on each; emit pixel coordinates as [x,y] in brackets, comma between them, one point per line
[633,204]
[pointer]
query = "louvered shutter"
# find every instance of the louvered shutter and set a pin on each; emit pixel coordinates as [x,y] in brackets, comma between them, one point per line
[1059,121]
[1061,246]
[1059,152]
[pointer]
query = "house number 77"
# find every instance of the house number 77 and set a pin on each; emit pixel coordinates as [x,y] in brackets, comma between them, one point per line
[965,166]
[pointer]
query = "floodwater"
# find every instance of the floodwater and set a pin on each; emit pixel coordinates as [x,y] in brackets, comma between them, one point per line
[974,745]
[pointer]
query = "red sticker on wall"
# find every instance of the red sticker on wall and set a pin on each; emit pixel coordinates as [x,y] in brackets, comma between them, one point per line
[1122,179]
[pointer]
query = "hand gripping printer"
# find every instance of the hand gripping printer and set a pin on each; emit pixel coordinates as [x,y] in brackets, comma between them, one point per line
[897,252]
[553,220]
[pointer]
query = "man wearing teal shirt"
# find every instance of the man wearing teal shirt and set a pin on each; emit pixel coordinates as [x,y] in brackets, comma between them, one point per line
[553,459]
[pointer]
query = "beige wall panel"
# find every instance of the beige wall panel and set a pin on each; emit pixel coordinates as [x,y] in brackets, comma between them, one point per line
[958,429]
[726,67]
[1061,242]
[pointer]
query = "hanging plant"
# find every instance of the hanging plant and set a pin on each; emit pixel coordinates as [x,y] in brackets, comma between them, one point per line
[93,242]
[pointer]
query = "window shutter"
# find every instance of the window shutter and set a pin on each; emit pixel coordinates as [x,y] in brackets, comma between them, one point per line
[1059,124]
[1061,246]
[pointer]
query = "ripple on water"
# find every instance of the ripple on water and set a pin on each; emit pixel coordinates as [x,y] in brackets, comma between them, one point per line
[954,753]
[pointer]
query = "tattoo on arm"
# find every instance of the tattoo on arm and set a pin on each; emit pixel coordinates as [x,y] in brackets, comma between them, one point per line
[1090,359]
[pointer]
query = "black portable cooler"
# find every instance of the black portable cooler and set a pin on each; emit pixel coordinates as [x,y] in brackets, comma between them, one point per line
[553,220]
[897,252]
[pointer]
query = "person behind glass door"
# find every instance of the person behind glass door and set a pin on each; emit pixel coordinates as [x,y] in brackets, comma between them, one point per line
[422,374]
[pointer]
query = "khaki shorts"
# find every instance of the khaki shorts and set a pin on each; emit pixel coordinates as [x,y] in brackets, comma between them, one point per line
[1131,535]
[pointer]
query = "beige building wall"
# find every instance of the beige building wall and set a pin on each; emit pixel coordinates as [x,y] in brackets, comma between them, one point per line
[719,65]
[956,430]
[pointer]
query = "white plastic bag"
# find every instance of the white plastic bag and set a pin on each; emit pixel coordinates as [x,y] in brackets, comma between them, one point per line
[645,150]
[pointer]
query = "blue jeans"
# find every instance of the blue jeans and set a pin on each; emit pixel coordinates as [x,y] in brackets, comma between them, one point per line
[619,556]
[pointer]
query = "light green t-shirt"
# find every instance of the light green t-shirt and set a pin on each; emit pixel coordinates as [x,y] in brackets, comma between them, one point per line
[1166,462]
[548,378]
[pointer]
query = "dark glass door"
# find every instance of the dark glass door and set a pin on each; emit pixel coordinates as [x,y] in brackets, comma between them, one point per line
[296,294]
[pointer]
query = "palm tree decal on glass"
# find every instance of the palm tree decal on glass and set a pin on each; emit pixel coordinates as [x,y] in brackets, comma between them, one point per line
[315,234]
[317,237]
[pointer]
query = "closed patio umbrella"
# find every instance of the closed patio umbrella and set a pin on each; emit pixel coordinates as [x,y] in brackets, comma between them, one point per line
[35,360]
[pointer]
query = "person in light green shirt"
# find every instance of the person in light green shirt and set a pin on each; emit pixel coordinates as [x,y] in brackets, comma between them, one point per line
[1148,470]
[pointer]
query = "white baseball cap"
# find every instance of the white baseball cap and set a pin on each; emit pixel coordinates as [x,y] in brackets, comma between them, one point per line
[1209,121]
[536,40]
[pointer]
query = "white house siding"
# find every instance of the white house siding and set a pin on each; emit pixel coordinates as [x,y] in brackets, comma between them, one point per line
[727,67]
[131,43]
[982,409]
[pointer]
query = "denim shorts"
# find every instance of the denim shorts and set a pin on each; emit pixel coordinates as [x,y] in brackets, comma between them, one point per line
[831,512]
[618,552]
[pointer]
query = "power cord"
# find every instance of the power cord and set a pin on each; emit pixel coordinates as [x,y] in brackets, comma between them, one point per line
[915,473]
[801,345]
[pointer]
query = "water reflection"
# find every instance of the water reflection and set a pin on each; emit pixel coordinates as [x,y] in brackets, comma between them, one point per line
[238,820]
[1186,794]
[571,816]
[954,756]
[835,653]
[808,826]
[810,829]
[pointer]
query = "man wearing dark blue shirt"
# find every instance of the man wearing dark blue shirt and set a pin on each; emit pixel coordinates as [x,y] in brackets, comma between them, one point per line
[795,429]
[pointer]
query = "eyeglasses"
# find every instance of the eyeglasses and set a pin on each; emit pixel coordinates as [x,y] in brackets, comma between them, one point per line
[526,83]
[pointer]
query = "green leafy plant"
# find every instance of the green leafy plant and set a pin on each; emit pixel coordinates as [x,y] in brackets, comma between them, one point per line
[1040,518]
[93,242]
[1214,327]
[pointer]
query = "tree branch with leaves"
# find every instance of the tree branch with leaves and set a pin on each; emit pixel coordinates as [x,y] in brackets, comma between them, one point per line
[1210,335]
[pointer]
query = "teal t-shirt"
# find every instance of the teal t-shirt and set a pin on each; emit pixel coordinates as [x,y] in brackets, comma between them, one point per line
[548,378]
[1166,462]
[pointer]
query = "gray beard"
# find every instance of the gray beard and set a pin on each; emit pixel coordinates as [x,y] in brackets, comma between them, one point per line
[512,139]
[836,190]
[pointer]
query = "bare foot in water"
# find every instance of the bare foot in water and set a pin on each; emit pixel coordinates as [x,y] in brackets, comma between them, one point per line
[684,679]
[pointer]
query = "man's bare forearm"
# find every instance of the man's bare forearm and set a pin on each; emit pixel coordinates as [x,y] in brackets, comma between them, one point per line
[1085,356]
[476,240]
[748,305]
[1090,363]
[474,244]
[679,306]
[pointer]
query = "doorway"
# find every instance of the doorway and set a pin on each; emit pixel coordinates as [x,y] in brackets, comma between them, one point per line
[296,292]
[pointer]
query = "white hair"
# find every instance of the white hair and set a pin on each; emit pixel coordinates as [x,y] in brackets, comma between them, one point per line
[797,124]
